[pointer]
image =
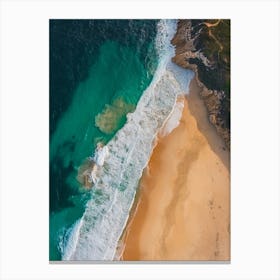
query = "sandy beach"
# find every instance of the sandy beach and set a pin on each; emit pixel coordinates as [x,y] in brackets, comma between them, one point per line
[183,207]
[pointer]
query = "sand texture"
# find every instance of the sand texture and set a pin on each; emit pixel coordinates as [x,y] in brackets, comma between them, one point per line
[183,207]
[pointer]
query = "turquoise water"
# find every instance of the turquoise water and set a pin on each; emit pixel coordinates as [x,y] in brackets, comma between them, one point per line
[97,111]
[111,81]
[116,80]
[96,235]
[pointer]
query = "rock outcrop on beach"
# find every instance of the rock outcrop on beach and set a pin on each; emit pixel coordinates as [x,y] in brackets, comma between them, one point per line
[204,47]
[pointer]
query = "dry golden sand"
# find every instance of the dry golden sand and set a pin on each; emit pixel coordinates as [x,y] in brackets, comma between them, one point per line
[182,212]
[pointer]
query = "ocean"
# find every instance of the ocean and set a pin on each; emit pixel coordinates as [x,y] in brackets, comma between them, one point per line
[111,81]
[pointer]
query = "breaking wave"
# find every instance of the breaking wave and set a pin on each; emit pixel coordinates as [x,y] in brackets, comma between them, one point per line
[95,236]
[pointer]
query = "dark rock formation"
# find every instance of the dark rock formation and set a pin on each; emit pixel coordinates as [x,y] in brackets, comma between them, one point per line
[204,47]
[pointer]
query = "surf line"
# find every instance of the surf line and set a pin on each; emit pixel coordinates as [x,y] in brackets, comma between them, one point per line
[107,211]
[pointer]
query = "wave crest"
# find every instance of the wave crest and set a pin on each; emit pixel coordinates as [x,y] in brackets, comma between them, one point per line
[107,211]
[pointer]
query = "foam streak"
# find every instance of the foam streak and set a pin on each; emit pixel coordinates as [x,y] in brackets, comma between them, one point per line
[107,211]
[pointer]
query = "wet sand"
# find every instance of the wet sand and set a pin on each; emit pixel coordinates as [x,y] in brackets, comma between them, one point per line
[182,210]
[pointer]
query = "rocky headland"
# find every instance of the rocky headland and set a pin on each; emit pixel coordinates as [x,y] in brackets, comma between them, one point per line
[204,47]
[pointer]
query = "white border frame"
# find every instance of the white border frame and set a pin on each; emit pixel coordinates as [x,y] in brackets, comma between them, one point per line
[24,138]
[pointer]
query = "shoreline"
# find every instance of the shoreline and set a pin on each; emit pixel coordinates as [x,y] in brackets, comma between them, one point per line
[175,205]
[200,112]
[186,42]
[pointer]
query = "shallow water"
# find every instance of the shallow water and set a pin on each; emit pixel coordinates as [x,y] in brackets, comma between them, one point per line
[96,235]
[129,93]
[121,70]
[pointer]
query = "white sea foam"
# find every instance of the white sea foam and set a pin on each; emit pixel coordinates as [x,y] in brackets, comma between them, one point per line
[68,246]
[100,155]
[107,211]
[173,120]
